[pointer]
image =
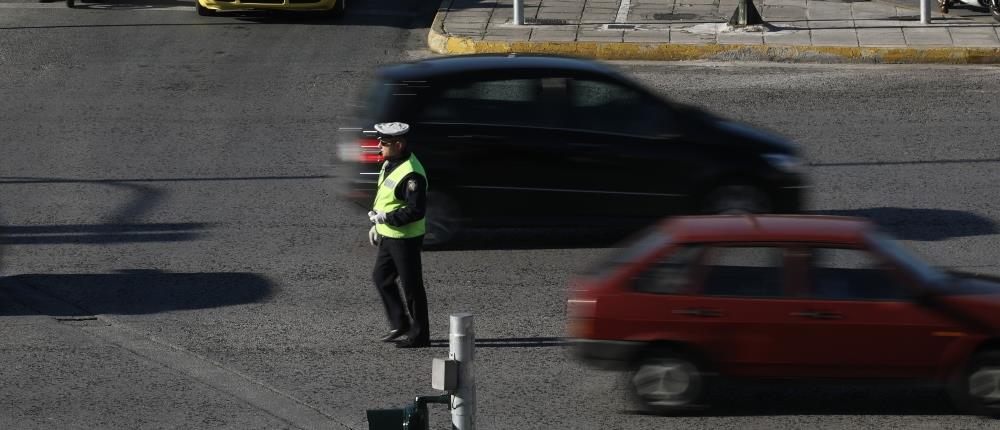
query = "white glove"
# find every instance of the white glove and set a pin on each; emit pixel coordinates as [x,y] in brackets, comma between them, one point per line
[373,237]
[376,217]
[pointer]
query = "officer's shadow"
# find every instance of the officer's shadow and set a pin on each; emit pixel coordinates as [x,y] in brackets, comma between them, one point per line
[533,238]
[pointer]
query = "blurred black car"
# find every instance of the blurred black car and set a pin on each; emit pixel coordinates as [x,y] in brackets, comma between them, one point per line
[510,140]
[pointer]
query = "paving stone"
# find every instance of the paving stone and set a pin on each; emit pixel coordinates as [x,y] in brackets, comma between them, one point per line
[927,36]
[684,37]
[771,13]
[511,34]
[554,35]
[834,37]
[881,37]
[600,36]
[974,36]
[648,36]
[788,37]
[829,11]
[740,38]
[831,24]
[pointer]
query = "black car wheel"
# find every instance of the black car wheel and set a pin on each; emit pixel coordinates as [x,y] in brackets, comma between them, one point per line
[667,382]
[977,388]
[995,9]
[70,3]
[737,198]
[443,219]
[202,10]
[339,9]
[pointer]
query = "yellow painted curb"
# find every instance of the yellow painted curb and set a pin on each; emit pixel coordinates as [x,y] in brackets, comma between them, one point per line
[443,43]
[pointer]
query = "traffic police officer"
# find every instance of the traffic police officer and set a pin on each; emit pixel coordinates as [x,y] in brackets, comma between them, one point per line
[398,215]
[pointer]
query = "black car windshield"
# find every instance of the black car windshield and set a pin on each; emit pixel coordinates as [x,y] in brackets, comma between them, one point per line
[632,249]
[905,258]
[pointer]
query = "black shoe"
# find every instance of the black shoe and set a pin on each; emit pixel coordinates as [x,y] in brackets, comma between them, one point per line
[409,341]
[392,335]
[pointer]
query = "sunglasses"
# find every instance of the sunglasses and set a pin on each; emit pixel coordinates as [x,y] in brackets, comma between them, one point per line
[386,142]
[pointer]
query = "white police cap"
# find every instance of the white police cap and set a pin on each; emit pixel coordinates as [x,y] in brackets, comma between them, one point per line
[392,128]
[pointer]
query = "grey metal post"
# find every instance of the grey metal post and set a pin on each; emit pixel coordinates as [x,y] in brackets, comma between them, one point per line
[461,345]
[925,11]
[518,12]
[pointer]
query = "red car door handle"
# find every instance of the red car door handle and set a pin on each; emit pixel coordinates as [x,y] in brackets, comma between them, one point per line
[817,315]
[699,312]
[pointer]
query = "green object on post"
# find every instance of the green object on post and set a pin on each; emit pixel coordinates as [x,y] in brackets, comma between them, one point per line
[412,417]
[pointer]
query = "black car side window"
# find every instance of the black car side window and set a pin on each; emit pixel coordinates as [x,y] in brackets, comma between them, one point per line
[670,275]
[498,102]
[612,108]
[852,274]
[745,272]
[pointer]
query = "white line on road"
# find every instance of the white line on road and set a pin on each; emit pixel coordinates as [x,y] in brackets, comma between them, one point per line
[622,16]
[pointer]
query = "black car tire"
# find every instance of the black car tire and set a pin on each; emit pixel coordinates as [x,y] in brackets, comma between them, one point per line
[736,198]
[443,219]
[667,382]
[976,389]
[70,3]
[338,10]
[995,9]
[202,10]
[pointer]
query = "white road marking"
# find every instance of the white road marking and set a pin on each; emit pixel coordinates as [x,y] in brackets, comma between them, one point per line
[622,16]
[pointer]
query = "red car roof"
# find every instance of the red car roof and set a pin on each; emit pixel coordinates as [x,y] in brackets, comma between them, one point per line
[768,228]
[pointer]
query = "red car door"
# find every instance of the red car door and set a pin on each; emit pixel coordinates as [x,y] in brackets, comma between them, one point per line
[747,290]
[860,320]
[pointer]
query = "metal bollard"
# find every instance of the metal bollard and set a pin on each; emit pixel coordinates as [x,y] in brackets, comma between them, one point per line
[461,345]
[518,12]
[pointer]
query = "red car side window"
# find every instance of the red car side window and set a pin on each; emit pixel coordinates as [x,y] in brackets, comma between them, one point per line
[852,274]
[745,272]
[671,274]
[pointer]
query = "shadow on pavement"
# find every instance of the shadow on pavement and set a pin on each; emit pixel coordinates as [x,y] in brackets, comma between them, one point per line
[100,233]
[923,224]
[130,292]
[513,342]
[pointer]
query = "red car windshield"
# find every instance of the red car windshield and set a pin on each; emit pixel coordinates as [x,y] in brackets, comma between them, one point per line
[632,249]
[905,258]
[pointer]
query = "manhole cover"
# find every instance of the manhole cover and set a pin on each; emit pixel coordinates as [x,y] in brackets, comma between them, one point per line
[546,21]
[673,16]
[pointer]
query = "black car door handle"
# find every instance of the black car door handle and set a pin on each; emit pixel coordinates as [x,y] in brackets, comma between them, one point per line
[711,313]
[816,315]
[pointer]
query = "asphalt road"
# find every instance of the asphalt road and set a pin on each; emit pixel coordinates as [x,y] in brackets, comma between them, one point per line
[174,254]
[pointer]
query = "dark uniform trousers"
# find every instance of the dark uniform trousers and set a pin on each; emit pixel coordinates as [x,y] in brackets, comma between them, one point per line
[400,258]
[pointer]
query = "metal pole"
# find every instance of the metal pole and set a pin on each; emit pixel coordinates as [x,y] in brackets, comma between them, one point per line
[925,11]
[461,345]
[518,12]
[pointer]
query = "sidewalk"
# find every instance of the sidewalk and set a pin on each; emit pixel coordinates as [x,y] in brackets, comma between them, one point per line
[801,30]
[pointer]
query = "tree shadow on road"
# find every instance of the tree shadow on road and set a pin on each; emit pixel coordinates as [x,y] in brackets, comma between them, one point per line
[923,224]
[130,292]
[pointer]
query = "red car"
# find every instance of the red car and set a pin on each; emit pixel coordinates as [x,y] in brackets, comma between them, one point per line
[694,298]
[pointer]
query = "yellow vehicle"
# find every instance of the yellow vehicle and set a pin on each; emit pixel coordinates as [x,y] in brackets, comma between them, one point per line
[210,7]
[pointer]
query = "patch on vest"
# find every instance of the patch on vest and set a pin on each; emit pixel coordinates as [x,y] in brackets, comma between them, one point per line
[390,183]
[411,185]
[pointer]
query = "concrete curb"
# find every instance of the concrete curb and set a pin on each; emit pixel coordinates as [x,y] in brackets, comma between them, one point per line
[443,43]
